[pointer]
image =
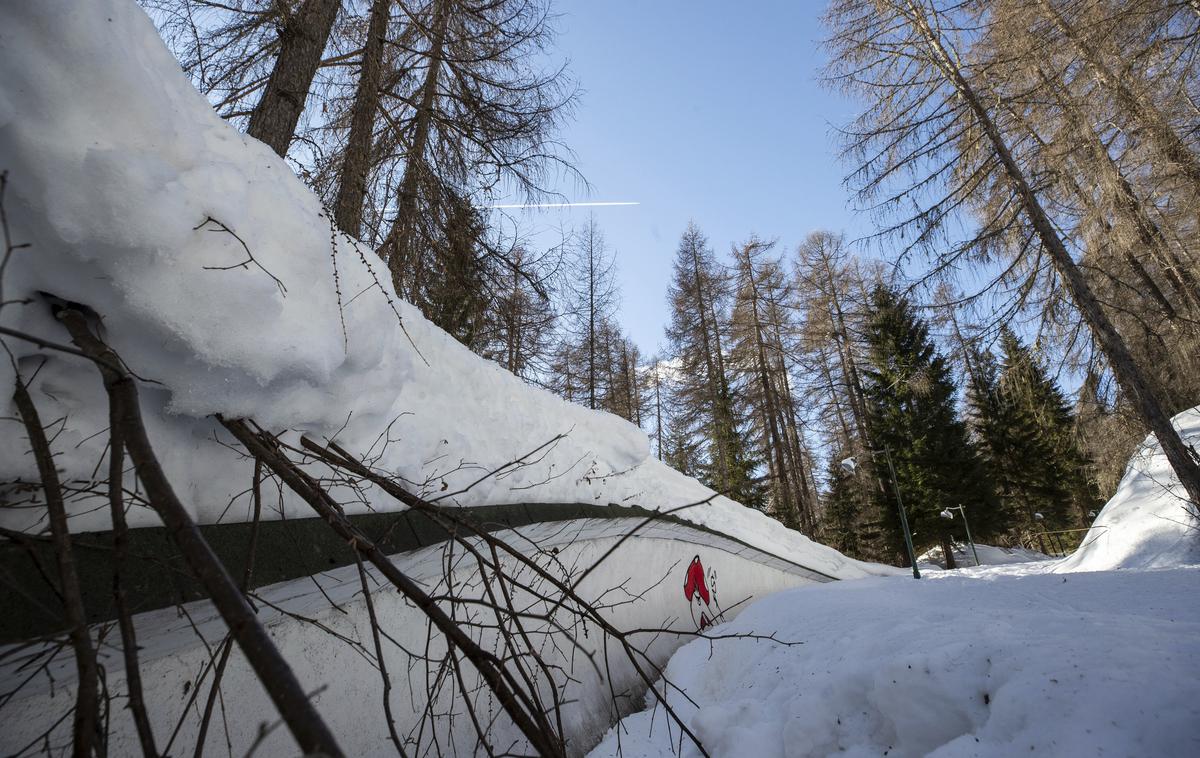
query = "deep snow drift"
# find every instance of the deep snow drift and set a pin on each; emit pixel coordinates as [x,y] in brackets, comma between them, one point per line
[131,190]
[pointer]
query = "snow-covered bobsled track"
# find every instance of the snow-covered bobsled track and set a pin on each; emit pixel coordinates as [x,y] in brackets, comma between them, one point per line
[662,576]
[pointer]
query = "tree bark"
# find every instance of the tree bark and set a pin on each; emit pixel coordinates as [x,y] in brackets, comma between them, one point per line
[948,552]
[302,43]
[85,724]
[356,163]
[397,249]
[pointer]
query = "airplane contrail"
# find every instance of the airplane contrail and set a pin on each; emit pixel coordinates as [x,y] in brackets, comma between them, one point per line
[559,205]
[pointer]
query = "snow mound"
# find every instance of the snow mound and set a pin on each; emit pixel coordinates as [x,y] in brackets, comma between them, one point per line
[219,276]
[989,555]
[1148,522]
[1035,664]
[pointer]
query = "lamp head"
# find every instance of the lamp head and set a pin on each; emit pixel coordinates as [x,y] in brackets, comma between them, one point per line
[849,464]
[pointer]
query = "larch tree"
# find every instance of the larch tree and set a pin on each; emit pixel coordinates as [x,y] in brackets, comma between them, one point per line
[481,118]
[523,326]
[698,298]
[935,136]
[303,38]
[758,326]
[590,291]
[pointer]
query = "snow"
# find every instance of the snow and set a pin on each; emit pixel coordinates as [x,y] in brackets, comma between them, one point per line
[952,665]
[637,587]
[989,555]
[1147,523]
[1094,654]
[130,191]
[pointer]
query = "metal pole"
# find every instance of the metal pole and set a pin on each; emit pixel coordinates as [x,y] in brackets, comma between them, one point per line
[963,511]
[908,543]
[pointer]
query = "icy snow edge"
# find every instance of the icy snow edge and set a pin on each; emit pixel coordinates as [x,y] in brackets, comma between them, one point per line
[130,189]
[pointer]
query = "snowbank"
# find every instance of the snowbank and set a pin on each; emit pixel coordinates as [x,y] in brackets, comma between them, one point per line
[1146,524]
[989,555]
[137,199]
[994,665]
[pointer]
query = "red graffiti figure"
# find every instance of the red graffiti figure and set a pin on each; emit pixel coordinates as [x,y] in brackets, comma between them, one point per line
[701,602]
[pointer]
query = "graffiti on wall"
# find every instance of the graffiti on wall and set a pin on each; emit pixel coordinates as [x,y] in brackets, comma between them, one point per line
[700,589]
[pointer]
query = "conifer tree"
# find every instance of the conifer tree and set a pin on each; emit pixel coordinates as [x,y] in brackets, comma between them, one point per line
[456,300]
[844,517]
[592,298]
[911,413]
[1026,384]
[757,354]
[1013,452]
[698,297]
[522,335]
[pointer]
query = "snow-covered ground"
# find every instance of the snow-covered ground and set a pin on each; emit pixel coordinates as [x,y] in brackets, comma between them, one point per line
[218,275]
[988,555]
[1001,664]
[1094,654]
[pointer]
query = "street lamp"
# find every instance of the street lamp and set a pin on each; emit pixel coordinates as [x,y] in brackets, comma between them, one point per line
[849,465]
[946,514]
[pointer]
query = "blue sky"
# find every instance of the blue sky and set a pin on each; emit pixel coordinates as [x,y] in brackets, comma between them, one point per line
[705,110]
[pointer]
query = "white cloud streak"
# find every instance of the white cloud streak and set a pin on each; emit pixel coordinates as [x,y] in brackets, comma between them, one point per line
[560,205]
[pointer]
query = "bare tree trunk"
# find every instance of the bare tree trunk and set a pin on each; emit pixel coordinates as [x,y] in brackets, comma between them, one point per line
[305,724]
[658,409]
[116,501]
[303,39]
[849,367]
[356,163]
[591,335]
[1129,376]
[774,441]
[397,250]
[86,718]
[948,552]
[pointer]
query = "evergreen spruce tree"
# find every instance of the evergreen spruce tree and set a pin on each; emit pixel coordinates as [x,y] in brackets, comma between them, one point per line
[911,412]
[1006,440]
[843,518]
[1063,492]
